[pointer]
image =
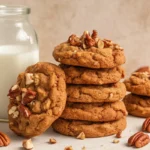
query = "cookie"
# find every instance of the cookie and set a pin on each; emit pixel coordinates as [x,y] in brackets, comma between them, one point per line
[96,93]
[89,51]
[37,99]
[139,83]
[81,75]
[95,112]
[137,105]
[90,129]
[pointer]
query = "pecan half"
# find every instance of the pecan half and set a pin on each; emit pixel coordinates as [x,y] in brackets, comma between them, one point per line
[4,139]
[94,34]
[28,96]
[138,140]
[146,125]
[14,91]
[24,111]
[74,40]
[89,41]
[143,69]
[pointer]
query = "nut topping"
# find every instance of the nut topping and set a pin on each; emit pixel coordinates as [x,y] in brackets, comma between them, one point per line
[81,136]
[4,139]
[74,40]
[143,69]
[28,96]
[27,144]
[138,140]
[29,78]
[13,111]
[24,111]
[68,148]
[14,92]
[146,125]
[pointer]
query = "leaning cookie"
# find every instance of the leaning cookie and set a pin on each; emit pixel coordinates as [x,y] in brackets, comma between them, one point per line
[137,105]
[37,99]
[96,93]
[89,51]
[95,112]
[139,83]
[81,75]
[90,129]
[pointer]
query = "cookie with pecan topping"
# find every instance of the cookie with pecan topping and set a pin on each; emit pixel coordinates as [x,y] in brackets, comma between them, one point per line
[139,83]
[81,75]
[90,129]
[137,105]
[95,112]
[89,51]
[37,99]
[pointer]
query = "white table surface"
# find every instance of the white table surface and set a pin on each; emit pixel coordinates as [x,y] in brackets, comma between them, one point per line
[106,143]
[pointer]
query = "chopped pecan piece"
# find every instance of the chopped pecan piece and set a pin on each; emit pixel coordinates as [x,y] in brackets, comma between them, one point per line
[4,139]
[146,125]
[24,111]
[143,69]
[89,41]
[138,140]
[74,40]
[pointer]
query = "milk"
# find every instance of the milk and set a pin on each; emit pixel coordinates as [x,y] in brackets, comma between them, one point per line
[13,60]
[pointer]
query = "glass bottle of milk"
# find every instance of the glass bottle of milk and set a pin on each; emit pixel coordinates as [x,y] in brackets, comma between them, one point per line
[18,48]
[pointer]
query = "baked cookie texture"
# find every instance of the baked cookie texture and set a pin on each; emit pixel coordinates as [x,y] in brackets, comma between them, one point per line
[139,83]
[89,51]
[137,105]
[95,112]
[37,99]
[90,129]
[95,93]
[82,75]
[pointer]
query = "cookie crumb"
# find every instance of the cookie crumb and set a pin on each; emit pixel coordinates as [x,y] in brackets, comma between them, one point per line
[115,141]
[68,148]
[81,136]
[52,141]
[83,148]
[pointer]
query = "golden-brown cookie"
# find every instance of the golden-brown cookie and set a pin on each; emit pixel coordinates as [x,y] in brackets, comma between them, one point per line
[139,83]
[90,129]
[89,51]
[81,75]
[96,93]
[95,112]
[137,105]
[37,99]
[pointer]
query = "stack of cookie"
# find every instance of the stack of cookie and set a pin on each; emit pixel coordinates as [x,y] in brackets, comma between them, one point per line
[138,101]
[92,68]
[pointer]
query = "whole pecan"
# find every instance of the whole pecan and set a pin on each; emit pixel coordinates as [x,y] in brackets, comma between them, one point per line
[4,139]
[24,111]
[74,40]
[29,95]
[138,140]
[146,125]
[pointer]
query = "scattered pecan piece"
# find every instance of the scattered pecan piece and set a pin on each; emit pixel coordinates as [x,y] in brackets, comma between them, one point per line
[27,144]
[68,148]
[74,40]
[52,141]
[146,125]
[4,139]
[118,135]
[28,96]
[115,141]
[81,136]
[138,140]
[24,111]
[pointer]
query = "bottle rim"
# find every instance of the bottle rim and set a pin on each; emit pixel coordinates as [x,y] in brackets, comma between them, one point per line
[14,10]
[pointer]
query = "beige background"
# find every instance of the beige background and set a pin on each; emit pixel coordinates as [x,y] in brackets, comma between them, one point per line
[126,22]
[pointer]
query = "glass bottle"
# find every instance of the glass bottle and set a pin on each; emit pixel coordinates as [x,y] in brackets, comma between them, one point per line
[18,48]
